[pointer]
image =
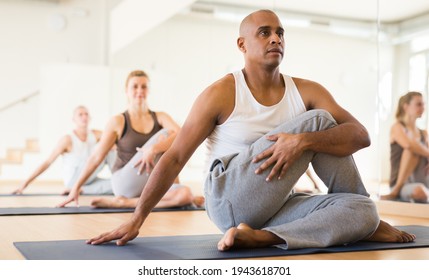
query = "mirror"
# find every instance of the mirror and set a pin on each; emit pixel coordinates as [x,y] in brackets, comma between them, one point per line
[403,66]
[70,52]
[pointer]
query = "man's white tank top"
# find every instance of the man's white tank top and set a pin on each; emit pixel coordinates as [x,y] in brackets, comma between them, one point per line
[79,154]
[251,120]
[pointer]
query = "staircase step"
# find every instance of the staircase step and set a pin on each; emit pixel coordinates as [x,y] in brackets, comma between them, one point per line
[32,145]
[14,155]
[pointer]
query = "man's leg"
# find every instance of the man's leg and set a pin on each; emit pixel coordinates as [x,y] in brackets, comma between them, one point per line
[324,220]
[235,194]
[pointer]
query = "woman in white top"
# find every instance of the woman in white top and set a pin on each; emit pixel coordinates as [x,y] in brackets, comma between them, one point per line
[75,149]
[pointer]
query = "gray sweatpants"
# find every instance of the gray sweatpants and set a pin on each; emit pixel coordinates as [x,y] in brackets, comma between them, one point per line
[126,182]
[235,194]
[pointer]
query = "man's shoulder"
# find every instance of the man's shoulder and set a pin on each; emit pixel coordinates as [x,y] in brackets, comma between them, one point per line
[97,133]
[221,87]
[65,142]
[308,86]
[226,82]
[303,82]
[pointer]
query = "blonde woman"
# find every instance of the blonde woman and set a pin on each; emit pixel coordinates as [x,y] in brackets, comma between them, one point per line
[141,137]
[408,152]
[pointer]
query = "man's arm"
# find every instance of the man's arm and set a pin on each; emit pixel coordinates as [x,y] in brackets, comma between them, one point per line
[62,146]
[344,139]
[106,142]
[202,119]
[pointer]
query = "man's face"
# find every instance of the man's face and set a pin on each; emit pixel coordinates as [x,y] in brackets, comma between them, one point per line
[81,117]
[263,39]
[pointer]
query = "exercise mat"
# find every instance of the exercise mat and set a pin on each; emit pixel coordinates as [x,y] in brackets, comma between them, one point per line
[199,247]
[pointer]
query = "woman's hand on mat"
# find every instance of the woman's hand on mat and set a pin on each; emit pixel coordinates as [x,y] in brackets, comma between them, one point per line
[124,233]
[73,196]
[147,161]
[282,154]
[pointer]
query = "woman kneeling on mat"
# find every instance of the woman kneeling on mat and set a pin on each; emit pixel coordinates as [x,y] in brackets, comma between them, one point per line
[141,137]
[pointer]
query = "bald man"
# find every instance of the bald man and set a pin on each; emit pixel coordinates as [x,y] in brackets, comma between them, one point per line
[75,148]
[263,128]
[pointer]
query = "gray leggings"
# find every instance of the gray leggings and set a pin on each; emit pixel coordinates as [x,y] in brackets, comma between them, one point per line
[126,182]
[235,194]
[416,180]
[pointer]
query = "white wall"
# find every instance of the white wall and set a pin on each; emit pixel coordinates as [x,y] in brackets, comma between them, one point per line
[182,56]
[28,41]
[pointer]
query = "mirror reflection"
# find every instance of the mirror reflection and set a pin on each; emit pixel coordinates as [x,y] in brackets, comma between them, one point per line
[68,53]
[403,68]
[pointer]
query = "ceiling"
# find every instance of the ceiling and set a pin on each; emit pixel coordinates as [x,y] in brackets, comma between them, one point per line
[390,10]
[400,19]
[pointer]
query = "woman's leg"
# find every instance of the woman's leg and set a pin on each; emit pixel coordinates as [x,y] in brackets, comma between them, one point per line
[126,182]
[127,185]
[177,196]
[407,165]
[414,192]
[98,186]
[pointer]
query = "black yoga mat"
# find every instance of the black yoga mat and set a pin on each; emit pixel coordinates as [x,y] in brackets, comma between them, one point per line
[46,194]
[21,211]
[189,247]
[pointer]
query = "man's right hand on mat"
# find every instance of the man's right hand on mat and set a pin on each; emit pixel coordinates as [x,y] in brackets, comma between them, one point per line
[124,233]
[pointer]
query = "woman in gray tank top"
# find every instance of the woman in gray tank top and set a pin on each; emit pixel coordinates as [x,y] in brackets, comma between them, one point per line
[141,137]
[409,152]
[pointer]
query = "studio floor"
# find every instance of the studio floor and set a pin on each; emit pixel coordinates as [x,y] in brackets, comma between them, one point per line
[84,226]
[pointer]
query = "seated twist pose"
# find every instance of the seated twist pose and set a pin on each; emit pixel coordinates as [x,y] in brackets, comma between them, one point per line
[409,152]
[75,148]
[263,129]
[141,137]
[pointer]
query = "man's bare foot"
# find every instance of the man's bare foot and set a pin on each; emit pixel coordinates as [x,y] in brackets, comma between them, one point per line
[199,201]
[387,233]
[244,236]
[116,202]
[389,196]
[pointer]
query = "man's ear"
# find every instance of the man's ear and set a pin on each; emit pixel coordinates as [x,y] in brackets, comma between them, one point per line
[240,44]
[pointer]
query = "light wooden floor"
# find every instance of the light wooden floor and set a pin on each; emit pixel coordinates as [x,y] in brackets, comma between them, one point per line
[83,226]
